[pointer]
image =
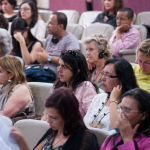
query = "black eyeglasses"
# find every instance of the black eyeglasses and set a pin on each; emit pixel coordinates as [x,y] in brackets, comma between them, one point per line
[72,52]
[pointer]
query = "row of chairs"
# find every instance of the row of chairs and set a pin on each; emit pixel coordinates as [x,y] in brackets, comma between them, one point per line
[86,18]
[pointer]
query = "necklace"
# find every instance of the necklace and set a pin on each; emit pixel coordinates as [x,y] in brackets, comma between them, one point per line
[99,110]
[96,75]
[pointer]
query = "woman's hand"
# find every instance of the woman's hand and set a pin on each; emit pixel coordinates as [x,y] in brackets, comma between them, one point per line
[116,94]
[90,66]
[126,130]
[123,28]
[18,36]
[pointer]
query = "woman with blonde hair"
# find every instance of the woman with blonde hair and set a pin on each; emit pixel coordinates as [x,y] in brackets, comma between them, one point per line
[98,50]
[142,69]
[15,96]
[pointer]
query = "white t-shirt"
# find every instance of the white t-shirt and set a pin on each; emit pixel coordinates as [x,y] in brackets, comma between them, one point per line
[97,103]
[39,29]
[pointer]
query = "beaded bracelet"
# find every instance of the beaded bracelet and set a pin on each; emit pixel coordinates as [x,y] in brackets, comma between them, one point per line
[114,101]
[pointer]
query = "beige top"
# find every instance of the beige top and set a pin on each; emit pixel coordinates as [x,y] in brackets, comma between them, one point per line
[4,98]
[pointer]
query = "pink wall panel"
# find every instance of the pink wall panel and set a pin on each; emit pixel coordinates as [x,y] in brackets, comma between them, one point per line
[79,5]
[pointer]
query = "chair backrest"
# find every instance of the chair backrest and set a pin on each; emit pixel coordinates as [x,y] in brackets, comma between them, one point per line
[142,30]
[32,130]
[134,19]
[72,15]
[75,29]
[22,62]
[7,121]
[45,14]
[100,134]
[40,92]
[93,29]
[88,17]
[143,16]
[82,48]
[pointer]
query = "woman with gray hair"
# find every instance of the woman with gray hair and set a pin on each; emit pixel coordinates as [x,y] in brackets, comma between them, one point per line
[98,50]
[5,42]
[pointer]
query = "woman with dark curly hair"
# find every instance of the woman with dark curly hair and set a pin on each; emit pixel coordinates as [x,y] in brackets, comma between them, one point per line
[7,7]
[110,8]
[3,22]
[29,12]
[133,123]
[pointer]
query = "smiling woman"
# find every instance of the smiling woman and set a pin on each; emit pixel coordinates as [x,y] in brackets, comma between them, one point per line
[142,69]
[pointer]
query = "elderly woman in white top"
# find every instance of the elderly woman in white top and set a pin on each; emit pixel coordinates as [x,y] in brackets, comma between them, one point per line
[5,42]
[117,78]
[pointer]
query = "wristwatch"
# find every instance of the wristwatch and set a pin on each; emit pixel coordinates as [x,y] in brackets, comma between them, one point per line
[49,59]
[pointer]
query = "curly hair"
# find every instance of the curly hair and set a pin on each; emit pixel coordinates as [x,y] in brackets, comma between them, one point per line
[34,11]
[144,47]
[118,5]
[101,43]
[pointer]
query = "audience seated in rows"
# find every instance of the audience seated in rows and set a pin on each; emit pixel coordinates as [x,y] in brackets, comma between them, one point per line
[15,95]
[72,71]
[3,22]
[58,41]
[142,69]
[110,8]
[25,44]
[5,42]
[7,7]
[133,123]
[67,129]
[125,36]
[98,50]
[117,78]
[29,12]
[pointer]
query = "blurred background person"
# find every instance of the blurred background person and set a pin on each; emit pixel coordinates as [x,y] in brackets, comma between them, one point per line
[7,7]
[110,9]
[3,22]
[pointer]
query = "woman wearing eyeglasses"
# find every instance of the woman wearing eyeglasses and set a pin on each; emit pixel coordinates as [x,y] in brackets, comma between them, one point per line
[7,7]
[142,69]
[28,11]
[25,45]
[67,129]
[117,78]
[133,123]
[72,72]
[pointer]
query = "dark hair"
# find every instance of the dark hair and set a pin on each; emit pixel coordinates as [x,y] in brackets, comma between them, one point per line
[130,13]
[34,11]
[64,100]
[3,22]
[143,102]
[32,1]
[118,5]
[21,25]
[12,2]
[124,71]
[61,18]
[76,61]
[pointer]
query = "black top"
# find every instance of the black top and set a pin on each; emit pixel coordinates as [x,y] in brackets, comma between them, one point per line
[111,19]
[82,140]
[12,18]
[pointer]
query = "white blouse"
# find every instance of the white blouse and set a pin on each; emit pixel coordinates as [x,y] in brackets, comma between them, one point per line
[39,29]
[97,103]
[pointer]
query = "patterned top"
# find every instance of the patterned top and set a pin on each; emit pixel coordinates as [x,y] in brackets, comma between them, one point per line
[48,145]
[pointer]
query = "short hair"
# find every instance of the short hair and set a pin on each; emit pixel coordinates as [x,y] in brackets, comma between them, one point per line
[118,5]
[101,43]
[5,42]
[34,11]
[124,71]
[61,18]
[76,62]
[130,13]
[12,2]
[12,64]
[144,47]
[64,100]
[3,22]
